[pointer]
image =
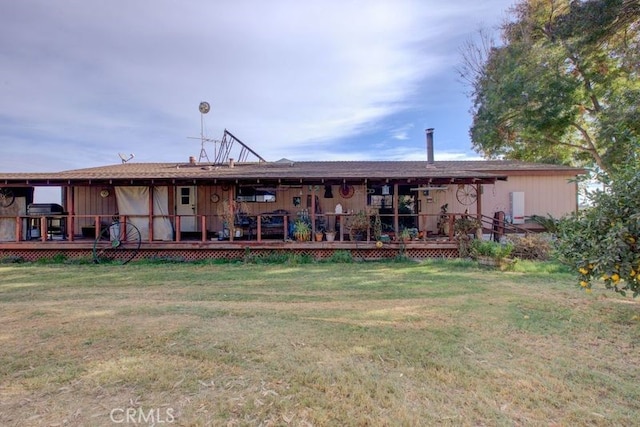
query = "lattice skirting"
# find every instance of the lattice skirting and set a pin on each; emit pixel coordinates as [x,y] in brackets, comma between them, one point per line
[240,253]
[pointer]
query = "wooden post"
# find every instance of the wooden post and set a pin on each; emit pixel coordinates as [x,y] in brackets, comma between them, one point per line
[70,208]
[18,228]
[43,228]
[233,214]
[177,228]
[313,211]
[150,219]
[479,204]
[285,224]
[96,221]
[203,227]
[396,221]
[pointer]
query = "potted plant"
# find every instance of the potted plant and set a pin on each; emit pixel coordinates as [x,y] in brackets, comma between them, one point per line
[491,253]
[405,235]
[319,235]
[359,226]
[330,235]
[301,230]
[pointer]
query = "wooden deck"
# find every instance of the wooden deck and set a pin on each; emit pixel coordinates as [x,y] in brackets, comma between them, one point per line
[193,250]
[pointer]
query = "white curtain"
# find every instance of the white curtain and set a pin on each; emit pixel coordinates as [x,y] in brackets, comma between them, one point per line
[8,224]
[162,227]
[133,202]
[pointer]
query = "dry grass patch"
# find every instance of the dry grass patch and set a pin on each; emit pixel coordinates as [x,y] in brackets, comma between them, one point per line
[359,344]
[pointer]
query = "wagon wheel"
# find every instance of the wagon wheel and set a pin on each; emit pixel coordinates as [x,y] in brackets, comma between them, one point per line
[6,197]
[119,242]
[466,194]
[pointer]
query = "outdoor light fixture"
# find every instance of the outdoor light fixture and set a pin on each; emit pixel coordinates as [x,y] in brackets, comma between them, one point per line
[385,190]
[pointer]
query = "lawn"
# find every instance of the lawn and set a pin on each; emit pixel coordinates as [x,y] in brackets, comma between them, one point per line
[437,342]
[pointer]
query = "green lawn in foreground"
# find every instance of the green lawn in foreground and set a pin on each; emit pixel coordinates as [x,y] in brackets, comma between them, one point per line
[444,343]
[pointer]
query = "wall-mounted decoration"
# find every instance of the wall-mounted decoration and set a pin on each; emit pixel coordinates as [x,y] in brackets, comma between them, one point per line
[296,201]
[346,191]
[104,193]
[215,198]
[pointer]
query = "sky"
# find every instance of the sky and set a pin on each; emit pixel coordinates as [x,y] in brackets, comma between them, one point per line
[82,81]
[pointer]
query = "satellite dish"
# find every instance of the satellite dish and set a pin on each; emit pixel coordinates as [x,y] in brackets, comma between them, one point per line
[204,107]
[124,157]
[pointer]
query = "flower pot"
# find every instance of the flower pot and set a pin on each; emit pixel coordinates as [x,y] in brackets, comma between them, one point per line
[331,235]
[319,237]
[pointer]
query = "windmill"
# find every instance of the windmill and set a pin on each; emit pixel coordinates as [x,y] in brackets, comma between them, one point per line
[204,108]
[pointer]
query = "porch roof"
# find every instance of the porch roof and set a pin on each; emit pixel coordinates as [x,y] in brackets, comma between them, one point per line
[290,171]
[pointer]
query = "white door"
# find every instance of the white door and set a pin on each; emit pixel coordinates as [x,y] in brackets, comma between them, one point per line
[186,207]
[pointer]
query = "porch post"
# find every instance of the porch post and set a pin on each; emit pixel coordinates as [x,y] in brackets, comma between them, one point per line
[19,228]
[479,205]
[43,228]
[150,213]
[233,212]
[313,212]
[396,223]
[71,213]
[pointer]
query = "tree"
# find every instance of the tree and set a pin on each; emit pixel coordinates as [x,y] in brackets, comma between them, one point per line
[563,87]
[603,242]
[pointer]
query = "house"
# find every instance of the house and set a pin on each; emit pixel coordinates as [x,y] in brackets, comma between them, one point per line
[179,208]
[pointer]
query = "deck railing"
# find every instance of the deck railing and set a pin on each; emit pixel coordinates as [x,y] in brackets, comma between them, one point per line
[210,227]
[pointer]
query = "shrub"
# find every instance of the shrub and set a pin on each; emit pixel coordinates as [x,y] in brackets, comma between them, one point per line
[340,256]
[535,247]
[490,248]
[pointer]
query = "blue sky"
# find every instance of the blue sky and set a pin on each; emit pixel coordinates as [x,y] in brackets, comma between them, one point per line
[84,80]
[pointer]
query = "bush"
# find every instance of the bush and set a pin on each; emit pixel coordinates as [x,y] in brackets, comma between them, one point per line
[536,247]
[340,256]
[489,248]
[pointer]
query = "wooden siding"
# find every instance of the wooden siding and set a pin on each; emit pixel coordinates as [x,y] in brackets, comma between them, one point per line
[88,201]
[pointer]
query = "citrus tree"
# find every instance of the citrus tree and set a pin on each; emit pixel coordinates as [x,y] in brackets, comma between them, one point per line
[603,242]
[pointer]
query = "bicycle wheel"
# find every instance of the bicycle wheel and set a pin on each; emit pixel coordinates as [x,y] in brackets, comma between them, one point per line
[6,197]
[119,242]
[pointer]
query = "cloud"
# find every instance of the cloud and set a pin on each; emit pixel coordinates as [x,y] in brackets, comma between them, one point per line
[98,78]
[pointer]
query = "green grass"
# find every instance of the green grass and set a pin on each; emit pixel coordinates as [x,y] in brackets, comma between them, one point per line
[350,344]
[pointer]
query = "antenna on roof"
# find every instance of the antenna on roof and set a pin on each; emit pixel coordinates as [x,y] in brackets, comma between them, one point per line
[124,157]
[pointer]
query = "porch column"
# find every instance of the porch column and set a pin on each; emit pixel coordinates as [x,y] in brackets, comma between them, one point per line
[396,223]
[313,212]
[70,208]
[479,205]
[151,213]
[233,212]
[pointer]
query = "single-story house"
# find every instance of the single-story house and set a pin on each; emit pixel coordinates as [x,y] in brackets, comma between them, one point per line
[182,209]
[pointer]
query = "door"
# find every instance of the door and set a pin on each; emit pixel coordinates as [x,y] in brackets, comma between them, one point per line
[186,208]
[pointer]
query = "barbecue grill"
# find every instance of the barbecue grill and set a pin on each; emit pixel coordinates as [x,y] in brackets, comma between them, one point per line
[56,221]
